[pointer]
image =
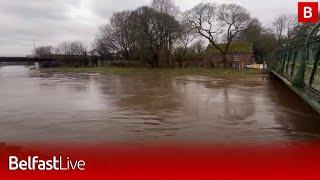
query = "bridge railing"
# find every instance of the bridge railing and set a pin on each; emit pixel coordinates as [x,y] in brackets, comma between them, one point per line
[299,64]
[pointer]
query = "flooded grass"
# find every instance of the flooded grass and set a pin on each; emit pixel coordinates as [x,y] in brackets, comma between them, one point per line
[167,71]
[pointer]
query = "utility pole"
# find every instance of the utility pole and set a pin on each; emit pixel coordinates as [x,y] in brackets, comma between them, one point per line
[34,47]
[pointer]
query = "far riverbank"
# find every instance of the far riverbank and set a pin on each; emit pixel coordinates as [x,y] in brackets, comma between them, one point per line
[175,71]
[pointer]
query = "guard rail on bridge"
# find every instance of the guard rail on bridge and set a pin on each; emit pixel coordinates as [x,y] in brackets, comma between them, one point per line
[299,67]
[23,59]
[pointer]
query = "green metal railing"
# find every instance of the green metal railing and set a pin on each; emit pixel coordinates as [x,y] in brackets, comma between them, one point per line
[299,64]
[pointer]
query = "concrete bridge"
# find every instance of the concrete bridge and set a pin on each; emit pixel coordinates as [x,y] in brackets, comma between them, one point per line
[54,61]
[25,61]
[298,66]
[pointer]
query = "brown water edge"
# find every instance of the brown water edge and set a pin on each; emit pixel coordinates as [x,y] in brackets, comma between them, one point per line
[164,71]
[150,107]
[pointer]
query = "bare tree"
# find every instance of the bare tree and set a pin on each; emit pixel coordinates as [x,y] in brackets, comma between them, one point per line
[106,41]
[116,37]
[211,21]
[234,19]
[120,30]
[75,48]
[165,6]
[43,52]
[280,25]
[103,42]
[187,35]
[292,23]
[203,19]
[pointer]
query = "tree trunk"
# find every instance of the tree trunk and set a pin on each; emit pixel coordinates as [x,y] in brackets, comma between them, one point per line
[224,60]
[180,62]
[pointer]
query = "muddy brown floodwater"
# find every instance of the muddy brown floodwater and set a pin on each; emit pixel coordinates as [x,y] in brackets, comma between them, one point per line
[57,107]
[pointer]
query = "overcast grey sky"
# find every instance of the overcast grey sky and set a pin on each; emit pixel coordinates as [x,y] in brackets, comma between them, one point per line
[53,21]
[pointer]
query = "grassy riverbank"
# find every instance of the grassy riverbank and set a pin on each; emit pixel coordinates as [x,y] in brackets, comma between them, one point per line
[176,71]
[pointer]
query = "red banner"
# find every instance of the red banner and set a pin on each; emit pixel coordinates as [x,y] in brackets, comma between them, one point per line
[168,161]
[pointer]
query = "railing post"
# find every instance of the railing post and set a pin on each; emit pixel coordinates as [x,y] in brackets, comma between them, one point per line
[314,69]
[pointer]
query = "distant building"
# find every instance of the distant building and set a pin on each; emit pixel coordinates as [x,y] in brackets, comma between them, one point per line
[239,56]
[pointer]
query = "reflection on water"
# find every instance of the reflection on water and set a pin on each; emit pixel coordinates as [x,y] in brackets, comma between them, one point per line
[149,107]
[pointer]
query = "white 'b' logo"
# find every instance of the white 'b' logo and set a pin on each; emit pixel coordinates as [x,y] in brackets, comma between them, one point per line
[307,12]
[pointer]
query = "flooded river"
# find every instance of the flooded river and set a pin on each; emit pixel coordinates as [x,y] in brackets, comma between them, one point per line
[144,107]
